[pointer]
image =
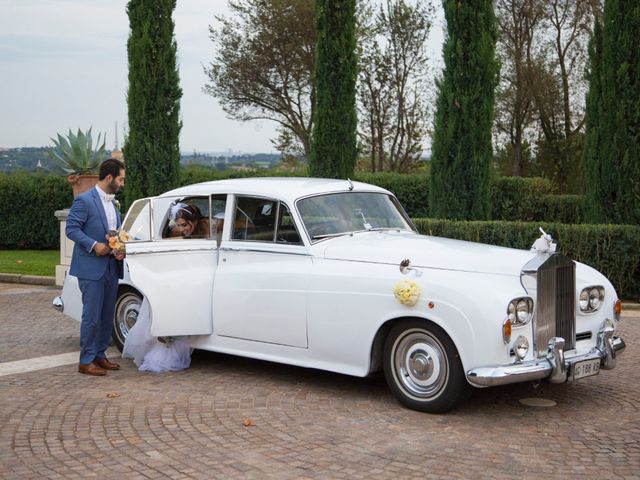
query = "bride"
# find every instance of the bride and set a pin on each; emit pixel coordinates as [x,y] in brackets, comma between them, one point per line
[155,354]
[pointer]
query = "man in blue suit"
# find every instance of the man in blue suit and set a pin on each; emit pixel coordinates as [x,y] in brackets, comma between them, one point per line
[92,215]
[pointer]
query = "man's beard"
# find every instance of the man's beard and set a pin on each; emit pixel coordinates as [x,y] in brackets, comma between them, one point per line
[113,186]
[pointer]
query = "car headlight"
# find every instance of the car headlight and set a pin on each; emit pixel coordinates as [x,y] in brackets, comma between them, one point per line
[591,298]
[520,311]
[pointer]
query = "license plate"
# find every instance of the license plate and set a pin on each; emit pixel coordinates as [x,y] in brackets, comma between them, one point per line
[586,368]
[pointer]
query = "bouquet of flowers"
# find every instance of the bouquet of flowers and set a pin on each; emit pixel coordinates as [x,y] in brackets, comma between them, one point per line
[407,292]
[117,239]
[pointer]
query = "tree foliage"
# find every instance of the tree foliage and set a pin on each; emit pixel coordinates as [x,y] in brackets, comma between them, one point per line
[263,68]
[612,156]
[151,149]
[334,144]
[559,88]
[518,21]
[462,150]
[540,101]
[392,82]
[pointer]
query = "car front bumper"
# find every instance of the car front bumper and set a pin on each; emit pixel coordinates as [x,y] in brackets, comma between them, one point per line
[556,367]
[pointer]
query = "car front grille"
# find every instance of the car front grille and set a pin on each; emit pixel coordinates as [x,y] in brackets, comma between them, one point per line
[555,308]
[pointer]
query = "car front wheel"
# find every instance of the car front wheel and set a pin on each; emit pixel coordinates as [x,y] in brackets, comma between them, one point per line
[126,314]
[423,369]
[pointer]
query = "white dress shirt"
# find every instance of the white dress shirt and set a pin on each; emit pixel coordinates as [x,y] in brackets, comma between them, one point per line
[109,208]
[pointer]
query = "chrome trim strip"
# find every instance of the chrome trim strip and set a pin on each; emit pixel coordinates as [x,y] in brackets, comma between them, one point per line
[262,250]
[173,250]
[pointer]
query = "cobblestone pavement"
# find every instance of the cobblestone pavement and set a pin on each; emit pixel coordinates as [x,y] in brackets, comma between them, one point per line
[55,423]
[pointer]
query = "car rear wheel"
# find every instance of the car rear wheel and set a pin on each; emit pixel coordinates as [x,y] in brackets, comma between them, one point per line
[423,369]
[126,314]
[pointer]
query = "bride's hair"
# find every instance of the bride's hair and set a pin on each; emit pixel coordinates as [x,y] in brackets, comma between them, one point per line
[188,212]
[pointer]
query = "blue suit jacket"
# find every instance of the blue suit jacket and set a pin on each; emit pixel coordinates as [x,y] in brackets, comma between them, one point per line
[86,224]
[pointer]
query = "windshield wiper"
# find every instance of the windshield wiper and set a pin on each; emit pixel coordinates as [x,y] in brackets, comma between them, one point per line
[378,229]
[351,232]
[328,235]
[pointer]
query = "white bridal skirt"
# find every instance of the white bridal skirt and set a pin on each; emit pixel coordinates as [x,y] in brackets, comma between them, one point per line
[151,355]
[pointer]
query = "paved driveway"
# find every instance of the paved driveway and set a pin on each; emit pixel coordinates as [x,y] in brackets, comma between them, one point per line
[56,423]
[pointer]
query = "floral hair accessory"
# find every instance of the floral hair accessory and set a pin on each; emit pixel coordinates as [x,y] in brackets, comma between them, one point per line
[177,207]
[407,292]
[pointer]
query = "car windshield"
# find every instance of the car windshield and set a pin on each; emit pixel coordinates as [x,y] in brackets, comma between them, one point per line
[340,213]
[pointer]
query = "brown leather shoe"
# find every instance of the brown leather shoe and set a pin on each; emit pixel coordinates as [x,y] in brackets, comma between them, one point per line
[91,369]
[106,364]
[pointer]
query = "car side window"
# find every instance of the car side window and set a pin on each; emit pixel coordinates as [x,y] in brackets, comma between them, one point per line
[263,220]
[138,223]
[254,219]
[188,217]
[287,231]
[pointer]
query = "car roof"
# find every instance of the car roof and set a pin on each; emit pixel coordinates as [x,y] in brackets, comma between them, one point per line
[284,188]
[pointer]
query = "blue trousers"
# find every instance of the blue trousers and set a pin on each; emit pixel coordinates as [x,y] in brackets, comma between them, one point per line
[98,305]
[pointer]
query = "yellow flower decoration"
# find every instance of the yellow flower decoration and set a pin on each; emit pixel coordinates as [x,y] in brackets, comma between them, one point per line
[407,292]
[117,239]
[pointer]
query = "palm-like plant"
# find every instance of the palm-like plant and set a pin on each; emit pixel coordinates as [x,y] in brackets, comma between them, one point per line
[75,153]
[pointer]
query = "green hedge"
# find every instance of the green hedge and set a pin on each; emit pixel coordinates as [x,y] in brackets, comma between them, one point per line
[517,198]
[613,250]
[531,200]
[561,209]
[27,206]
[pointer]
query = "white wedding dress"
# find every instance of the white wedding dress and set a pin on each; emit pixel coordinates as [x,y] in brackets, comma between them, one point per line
[151,355]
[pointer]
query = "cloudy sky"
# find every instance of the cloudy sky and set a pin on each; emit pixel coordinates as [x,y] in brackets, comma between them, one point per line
[63,64]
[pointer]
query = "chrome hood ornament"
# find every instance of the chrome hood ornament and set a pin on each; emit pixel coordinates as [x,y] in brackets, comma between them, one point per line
[544,244]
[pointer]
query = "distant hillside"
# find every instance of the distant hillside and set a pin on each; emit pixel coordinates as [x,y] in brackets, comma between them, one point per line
[36,158]
[232,161]
[26,158]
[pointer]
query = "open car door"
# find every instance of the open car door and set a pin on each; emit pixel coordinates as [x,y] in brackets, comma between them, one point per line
[174,274]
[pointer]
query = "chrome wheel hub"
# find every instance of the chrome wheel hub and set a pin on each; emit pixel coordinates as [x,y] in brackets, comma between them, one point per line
[126,315]
[420,363]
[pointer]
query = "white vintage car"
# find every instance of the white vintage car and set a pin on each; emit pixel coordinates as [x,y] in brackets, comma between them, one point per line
[331,274]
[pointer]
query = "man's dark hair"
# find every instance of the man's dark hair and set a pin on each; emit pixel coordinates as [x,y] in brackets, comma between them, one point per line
[111,166]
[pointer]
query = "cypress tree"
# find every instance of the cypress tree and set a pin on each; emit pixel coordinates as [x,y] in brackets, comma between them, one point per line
[151,150]
[612,156]
[461,150]
[593,111]
[333,147]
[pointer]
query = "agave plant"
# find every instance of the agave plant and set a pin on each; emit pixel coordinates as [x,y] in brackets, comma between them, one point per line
[75,153]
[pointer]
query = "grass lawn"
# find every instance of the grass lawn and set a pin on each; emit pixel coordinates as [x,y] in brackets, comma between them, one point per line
[29,262]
